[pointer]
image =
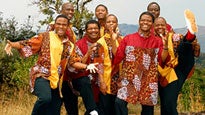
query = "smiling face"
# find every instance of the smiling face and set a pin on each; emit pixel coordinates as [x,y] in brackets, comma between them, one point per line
[145,23]
[68,10]
[60,26]
[93,31]
[154,9]
[160,26]
[101,12]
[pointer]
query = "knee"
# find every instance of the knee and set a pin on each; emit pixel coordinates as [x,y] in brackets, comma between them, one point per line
[46,99]
[120,102]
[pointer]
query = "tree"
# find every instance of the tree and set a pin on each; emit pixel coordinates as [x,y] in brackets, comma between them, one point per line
[10,30]
[52,7]
[13,69]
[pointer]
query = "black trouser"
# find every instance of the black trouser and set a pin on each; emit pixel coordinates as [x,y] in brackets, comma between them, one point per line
[70,100]
[121,108]
[83,85]
[106,104]
[49,101]
[169,94]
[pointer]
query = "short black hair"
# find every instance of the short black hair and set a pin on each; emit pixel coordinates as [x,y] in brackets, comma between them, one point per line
[153,3]
[102,6]
[61,16]
[112,15]
[91,22]
[147,13]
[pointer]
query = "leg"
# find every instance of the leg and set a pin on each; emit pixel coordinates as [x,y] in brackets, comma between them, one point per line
[185,61]
[43,91]
[70,100]
[55,105]
[121,107]
[107,103]
[168,99]
[147,110]
[83,85]
[169,94]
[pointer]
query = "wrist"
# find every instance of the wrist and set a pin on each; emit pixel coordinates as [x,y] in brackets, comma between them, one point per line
[86,66]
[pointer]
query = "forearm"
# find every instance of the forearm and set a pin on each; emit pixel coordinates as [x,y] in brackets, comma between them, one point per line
[85,58]
[79,65]
[15,45]
[114,47]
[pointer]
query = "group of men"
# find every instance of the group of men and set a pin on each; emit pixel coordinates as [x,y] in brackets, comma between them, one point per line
[105,69]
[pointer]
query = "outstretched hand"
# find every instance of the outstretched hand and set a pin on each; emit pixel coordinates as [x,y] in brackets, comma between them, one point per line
[8,48]
[92,67]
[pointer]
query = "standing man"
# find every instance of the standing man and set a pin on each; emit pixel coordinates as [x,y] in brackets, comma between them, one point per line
[109,41]
[70,95]
[179,64]
[101,12]
[139,53]
[53,49]
[89,85]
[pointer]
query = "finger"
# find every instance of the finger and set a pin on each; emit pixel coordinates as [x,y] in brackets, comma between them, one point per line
[95,64]
[96,68]
[8,41]
[93,70]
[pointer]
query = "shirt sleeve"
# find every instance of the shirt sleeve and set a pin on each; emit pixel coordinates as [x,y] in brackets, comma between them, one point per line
[120,54]
[31,46]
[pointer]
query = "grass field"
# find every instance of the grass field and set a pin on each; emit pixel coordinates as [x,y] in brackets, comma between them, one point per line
[21,103]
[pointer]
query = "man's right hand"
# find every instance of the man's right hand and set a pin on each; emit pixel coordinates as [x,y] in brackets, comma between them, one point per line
[8,48]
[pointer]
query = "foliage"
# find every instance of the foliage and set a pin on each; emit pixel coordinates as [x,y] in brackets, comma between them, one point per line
[192,96]
[9,29]
[52,7]
[14,69]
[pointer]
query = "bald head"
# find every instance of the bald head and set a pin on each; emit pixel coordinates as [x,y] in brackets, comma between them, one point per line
[68,10]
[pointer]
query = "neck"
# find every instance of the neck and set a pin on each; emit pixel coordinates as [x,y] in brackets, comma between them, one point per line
[144,34]
[61,37]
[102,22]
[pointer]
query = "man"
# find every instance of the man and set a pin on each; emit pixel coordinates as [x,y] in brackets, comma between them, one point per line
[109,41]
[179,64]
[101,12]
[53,49]
[88,84]
[70,95]
[139,53]
[154,8]
[68,10]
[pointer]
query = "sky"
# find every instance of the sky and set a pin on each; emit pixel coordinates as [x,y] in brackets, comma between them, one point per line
[127,11]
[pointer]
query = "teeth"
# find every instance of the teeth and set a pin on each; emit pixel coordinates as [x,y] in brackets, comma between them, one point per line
[161,35]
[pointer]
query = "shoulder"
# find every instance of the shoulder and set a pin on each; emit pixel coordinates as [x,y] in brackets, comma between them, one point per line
[132,35]
[169,27]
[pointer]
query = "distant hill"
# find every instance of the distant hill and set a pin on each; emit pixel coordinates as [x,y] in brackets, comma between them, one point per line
[127,28]
[131,28]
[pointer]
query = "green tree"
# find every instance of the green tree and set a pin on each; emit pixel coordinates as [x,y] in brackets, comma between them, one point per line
[10,30]
[13,71]
[52,7]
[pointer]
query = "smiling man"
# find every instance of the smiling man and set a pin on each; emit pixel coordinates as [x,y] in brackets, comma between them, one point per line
[53,49]
[139,53]
[89,85]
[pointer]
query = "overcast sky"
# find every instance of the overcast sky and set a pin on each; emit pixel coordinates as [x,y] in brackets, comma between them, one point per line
[127,11]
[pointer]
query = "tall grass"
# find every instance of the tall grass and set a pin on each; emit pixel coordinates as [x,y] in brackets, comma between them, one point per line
[20,102]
